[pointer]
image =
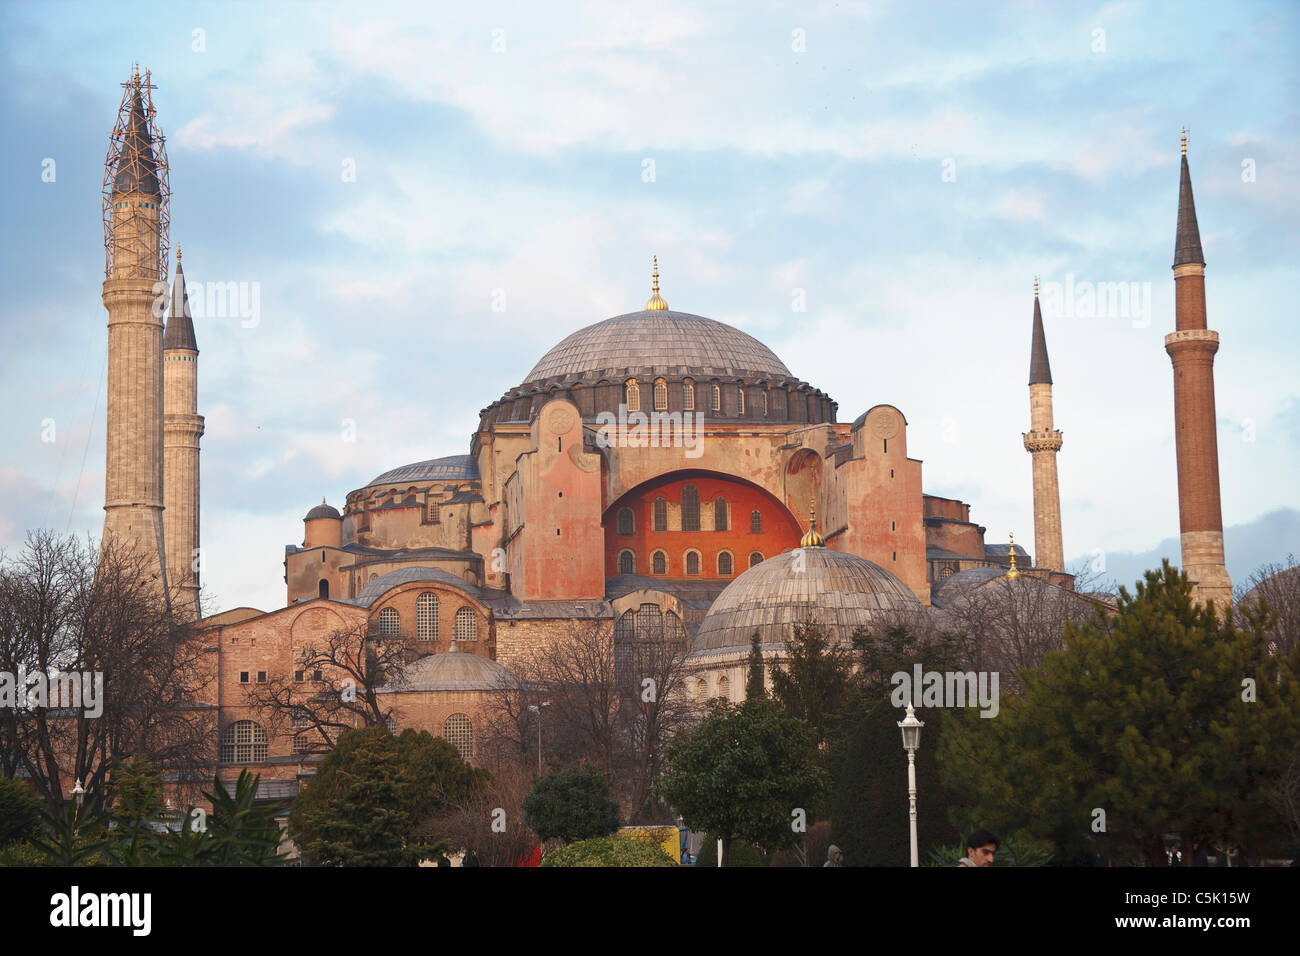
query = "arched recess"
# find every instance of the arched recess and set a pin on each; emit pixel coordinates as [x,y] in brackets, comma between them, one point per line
[803,482]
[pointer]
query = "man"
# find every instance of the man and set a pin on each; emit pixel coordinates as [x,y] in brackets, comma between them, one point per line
[980,849]
[833,856]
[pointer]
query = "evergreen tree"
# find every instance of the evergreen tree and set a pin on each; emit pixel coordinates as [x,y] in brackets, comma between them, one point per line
[1164,718]
[754,684]
[814,682]
[571,804]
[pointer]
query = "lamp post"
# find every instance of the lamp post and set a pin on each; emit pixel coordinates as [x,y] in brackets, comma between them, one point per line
[79,794]
[537,709]
[911,728]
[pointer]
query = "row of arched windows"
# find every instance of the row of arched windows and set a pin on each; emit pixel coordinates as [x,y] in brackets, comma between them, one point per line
[690,514]
[426,621]
[690,560]
[632,397]
[245,741]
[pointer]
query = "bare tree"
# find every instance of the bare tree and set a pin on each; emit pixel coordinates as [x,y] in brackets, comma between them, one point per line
[67,609]
[491,824]
[1279,587]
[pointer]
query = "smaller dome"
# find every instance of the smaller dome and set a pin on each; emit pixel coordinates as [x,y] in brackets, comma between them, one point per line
[456,670]
[322,510]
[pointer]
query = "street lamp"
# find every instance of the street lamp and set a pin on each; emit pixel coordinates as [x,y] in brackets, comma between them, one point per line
[536,709]
[911,728]
[79,794]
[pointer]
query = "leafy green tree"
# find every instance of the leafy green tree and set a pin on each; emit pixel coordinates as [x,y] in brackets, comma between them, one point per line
[20,811]
[754,685]
[609,851]
[814,682]
[366,801]
[748,772]
[1165,717]
[738,853]
[571,804]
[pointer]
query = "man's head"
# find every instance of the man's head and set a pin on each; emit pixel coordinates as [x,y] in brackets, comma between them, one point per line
[981,846]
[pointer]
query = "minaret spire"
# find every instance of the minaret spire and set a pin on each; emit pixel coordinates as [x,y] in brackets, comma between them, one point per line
[1043,442]
[1191,347]
[182,429]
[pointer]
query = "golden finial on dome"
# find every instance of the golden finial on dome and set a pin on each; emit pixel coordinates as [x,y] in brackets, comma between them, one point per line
[1013,573]
[812,539]
[655,303]
[1184,140]
[1035,287]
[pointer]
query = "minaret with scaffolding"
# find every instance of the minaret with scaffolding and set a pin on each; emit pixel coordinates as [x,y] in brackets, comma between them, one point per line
[136,200]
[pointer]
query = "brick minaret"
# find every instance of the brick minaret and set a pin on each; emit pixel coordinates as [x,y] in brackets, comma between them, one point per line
[1042,442]
[135,200]
[1191,347]
[182,429]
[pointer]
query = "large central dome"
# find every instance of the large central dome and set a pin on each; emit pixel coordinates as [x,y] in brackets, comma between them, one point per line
[658,341]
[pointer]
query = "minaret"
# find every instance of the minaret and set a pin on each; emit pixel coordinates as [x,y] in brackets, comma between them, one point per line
[1042,442]
[1191,347]
[182,428]
[135,208]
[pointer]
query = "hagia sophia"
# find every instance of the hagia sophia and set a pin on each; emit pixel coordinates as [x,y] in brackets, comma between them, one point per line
[729,499]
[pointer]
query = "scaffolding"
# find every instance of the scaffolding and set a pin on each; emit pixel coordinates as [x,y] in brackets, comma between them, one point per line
[136,229]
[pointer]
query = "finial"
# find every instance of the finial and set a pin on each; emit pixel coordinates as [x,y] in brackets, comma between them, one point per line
[655,303]
[178,255]
[1013,573]
[1184,140]
[812,539]
[1035,287]
[322,499]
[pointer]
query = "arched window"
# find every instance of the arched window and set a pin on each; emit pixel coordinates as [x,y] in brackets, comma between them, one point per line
[459,732]
[755,558]
[674,633]
[701,688]
[762,403]
[659,563]
[661,395]
[626,562]
[661,514]
[719,514]
[390,723]
[688,396]
[389,622]
[690,508]
[435,515]
[724,688]
[466,625]
[717,397]
[692,563]
[302,743]
[649,623]
[243,742]
[756,522]
[633,392]
[625,628]
[724,564]
[426,617]
[740,399]
[626,521]
[324,589]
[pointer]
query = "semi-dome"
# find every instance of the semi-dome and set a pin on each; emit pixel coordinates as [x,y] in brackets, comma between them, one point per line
[658,340]
[455,670]
[839,590]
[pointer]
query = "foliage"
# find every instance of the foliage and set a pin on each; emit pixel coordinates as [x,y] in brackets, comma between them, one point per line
[571,804]
[367,802]
[1145,716]
[1019,849]
[744,773]
[609,851]
[754,686]
[739,853]
[20,811]
[814,682]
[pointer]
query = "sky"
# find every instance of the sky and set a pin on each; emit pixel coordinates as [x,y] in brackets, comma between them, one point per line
[416,201]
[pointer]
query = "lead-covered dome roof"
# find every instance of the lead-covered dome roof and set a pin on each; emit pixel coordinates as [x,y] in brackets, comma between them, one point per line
[662,341]
[838,590]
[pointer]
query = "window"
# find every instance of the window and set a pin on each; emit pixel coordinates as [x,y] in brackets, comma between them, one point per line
[724,564]
[740,399]
[692,562]
[302,743]
[243,742]
[756,522]
[459,732]
[466,625]
[243,677]
[724,688]
[720,514]
[762,403]
[390,723]
[426,617]
[688,397]
[301,718]
[661,514]
[626,562]
[659,563]
[626,521]
[701,688]
[261,677]
[435,513]
[316,675]
[633,392]
[323,590]
[649,623]
[755,558]
[717,397]
[389,623]
[661,395]
[690,508]
[297,676]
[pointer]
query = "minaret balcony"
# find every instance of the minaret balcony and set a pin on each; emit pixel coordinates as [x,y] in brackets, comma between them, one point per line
[1042,441]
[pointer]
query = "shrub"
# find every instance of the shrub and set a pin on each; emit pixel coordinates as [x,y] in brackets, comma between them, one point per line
[609,851]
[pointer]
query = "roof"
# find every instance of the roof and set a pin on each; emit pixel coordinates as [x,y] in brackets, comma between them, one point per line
[450,468]
[322,510]
[663,340]
[946,589]
[834,588]
[1187,243]
[455,670]
[1040,370]
[135,168]
[386,582]
[1002,550]
[179,333]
